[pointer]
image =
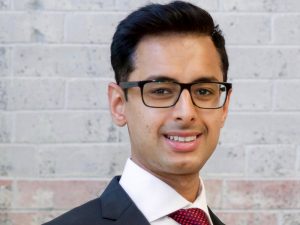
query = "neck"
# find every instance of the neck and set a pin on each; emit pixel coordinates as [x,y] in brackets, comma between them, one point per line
[188,186]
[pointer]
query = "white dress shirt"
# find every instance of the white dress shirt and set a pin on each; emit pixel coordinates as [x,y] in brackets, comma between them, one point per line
[154,198]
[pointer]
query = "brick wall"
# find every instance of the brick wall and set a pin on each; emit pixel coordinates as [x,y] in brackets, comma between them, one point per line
[59,148]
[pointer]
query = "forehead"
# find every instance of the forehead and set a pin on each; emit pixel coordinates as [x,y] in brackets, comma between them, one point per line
[182,57]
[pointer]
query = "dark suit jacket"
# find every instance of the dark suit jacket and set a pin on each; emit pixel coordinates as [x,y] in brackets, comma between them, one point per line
[113,207]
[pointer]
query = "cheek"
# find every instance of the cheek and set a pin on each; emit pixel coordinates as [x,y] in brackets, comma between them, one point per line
[213,121]
[141,121]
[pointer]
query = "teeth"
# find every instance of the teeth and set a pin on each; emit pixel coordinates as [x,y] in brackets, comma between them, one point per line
[182,139]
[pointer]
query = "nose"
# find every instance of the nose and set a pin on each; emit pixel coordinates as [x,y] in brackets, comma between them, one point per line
[185,110]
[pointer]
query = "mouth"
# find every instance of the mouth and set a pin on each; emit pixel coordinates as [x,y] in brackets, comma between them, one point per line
[183,142]
[182,139]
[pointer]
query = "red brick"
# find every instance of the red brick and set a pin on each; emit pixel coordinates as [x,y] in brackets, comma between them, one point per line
[248,218]
[262,195]
[6,194]
[58,194]
[28,218]
[213,190]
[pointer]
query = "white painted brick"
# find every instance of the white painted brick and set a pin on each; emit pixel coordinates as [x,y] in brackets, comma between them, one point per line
[251,96]
[43,51]
[62,61]
[5,4]
[245,29]
[31,27]
[63,4]
[46,94]
[287,95]
[5,127]
[261,6]
[134,4]
[4,61]
[227,160]
[65,127]
[271,161]
[260,63]
[262,129]
[20,161]
[298,161]
[87,94]
[4,86]
[123,134]
[287,29]
[105,160]
[91,28]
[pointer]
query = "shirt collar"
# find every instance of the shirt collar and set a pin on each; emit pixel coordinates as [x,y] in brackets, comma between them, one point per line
[148,192]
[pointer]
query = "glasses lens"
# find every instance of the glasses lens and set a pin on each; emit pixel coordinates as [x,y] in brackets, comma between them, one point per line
[209,95]
[160,94]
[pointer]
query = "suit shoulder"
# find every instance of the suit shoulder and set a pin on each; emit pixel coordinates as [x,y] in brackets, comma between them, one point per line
[88,213]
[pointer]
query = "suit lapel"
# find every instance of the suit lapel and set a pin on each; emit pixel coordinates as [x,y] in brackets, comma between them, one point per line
[214,218]
[118,208]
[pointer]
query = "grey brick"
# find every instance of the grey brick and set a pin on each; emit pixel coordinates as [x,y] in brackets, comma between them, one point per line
[291,218]
[264,62]
[287,29]
[31,27]
[87,94]
[4,61]
[6,197]
[20,161]
[271,161]
[5,127]
[287,95]
[251,96]
[91,28]
[65,127]
[245,29]
[266,128]
[224,155]
[105,160]
[261,6]
[134,4]
[63,4]
[36,94]
[62,61]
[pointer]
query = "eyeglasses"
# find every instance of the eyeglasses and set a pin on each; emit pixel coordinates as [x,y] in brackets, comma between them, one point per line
[165,94]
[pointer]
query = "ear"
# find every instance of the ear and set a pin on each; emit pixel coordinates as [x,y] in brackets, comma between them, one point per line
[226,108]
[117,102]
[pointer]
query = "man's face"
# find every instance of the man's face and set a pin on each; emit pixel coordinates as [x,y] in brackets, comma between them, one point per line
[182,58]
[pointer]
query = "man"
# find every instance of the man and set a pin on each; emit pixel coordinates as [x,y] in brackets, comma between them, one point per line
[170,66]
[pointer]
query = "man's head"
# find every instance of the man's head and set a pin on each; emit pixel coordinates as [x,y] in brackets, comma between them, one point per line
[155,20]
[170,64]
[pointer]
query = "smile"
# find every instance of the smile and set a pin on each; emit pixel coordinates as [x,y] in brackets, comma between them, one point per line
[182,139]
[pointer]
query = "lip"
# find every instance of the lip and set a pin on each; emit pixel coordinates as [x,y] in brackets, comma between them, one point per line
[178,146]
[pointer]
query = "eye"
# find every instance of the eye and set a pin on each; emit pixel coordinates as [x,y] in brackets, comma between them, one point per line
[161,91]
[203,92]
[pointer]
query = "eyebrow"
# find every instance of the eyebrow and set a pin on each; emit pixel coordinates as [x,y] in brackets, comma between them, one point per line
[166,78]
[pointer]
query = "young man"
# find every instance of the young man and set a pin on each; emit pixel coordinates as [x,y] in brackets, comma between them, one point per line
[170,66]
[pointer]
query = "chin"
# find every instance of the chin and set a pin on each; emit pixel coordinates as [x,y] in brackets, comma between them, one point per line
[186,167]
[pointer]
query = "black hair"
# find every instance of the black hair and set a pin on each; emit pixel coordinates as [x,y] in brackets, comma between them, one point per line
[157,19]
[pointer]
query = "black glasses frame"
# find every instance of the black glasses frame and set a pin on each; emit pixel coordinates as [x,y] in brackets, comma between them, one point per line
[187,86]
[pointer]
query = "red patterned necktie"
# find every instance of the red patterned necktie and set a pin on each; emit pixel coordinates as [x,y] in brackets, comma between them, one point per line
[192,216]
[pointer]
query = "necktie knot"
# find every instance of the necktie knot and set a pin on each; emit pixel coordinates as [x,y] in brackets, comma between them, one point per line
[192,216]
